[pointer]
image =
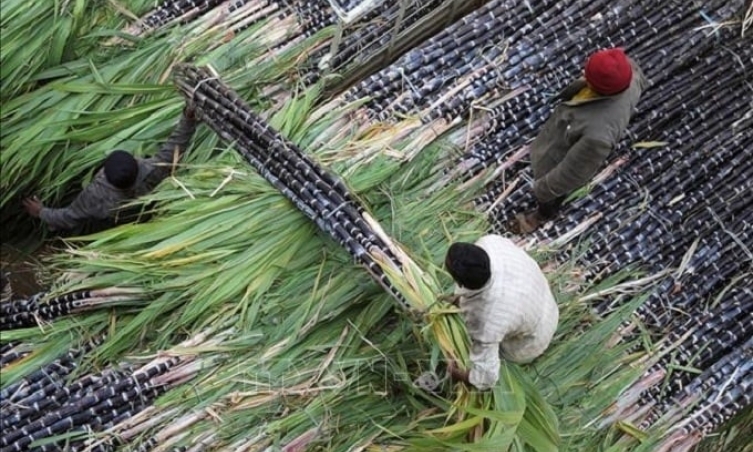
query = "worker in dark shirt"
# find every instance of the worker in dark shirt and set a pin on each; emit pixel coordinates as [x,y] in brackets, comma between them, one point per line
[122,178]
[581,132]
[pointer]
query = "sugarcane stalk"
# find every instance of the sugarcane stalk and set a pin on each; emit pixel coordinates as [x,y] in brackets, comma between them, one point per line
[285,166]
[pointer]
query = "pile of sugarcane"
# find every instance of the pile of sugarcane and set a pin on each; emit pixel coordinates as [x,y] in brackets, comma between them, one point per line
[701,84]
[167,12]
[54,408]
[435,77]
[42,307]
[684,196]
[382,35]
[685,205]
[378,28]
[318,194]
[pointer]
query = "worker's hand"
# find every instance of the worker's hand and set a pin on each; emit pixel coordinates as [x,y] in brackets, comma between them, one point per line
[456,373]
[33,206]
[453,299]
[189,111]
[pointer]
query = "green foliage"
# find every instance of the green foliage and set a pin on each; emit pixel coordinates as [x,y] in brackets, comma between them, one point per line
[43,36]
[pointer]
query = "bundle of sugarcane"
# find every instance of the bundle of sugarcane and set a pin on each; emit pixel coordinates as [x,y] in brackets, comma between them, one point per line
[319,195]
[22,313]
[44,411]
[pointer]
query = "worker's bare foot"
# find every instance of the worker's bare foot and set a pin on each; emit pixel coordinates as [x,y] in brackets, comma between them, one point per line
[524,223]
[456,374]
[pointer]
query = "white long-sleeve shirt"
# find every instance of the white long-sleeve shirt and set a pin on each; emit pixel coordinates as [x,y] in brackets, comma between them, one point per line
[515,310]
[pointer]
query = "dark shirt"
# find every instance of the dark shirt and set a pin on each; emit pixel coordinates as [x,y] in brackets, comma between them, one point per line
[579,136]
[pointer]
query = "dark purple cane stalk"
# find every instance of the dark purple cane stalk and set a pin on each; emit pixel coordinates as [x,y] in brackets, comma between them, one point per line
[715,395]
[28,312]
[319,195]
[12,352]
[54,395]
[55,371]
[134,391]
[173,10]
[7,347]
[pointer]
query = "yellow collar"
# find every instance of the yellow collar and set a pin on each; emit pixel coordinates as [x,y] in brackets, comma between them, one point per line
[585,94]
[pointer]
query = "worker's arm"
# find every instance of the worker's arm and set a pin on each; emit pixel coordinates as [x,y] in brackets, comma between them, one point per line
[580,164]
[484,371]
[179,139]
[62,219]
[90,204]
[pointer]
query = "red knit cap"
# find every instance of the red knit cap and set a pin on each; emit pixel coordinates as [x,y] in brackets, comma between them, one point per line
[609,71]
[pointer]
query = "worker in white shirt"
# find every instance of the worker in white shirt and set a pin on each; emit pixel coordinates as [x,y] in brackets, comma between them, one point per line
[506,304]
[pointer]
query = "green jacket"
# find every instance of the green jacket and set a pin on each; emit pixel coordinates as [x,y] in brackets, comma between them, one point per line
[579,136]
[96,207]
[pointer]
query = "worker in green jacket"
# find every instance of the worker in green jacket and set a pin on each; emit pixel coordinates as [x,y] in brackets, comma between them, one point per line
[581,132]
[121,179]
